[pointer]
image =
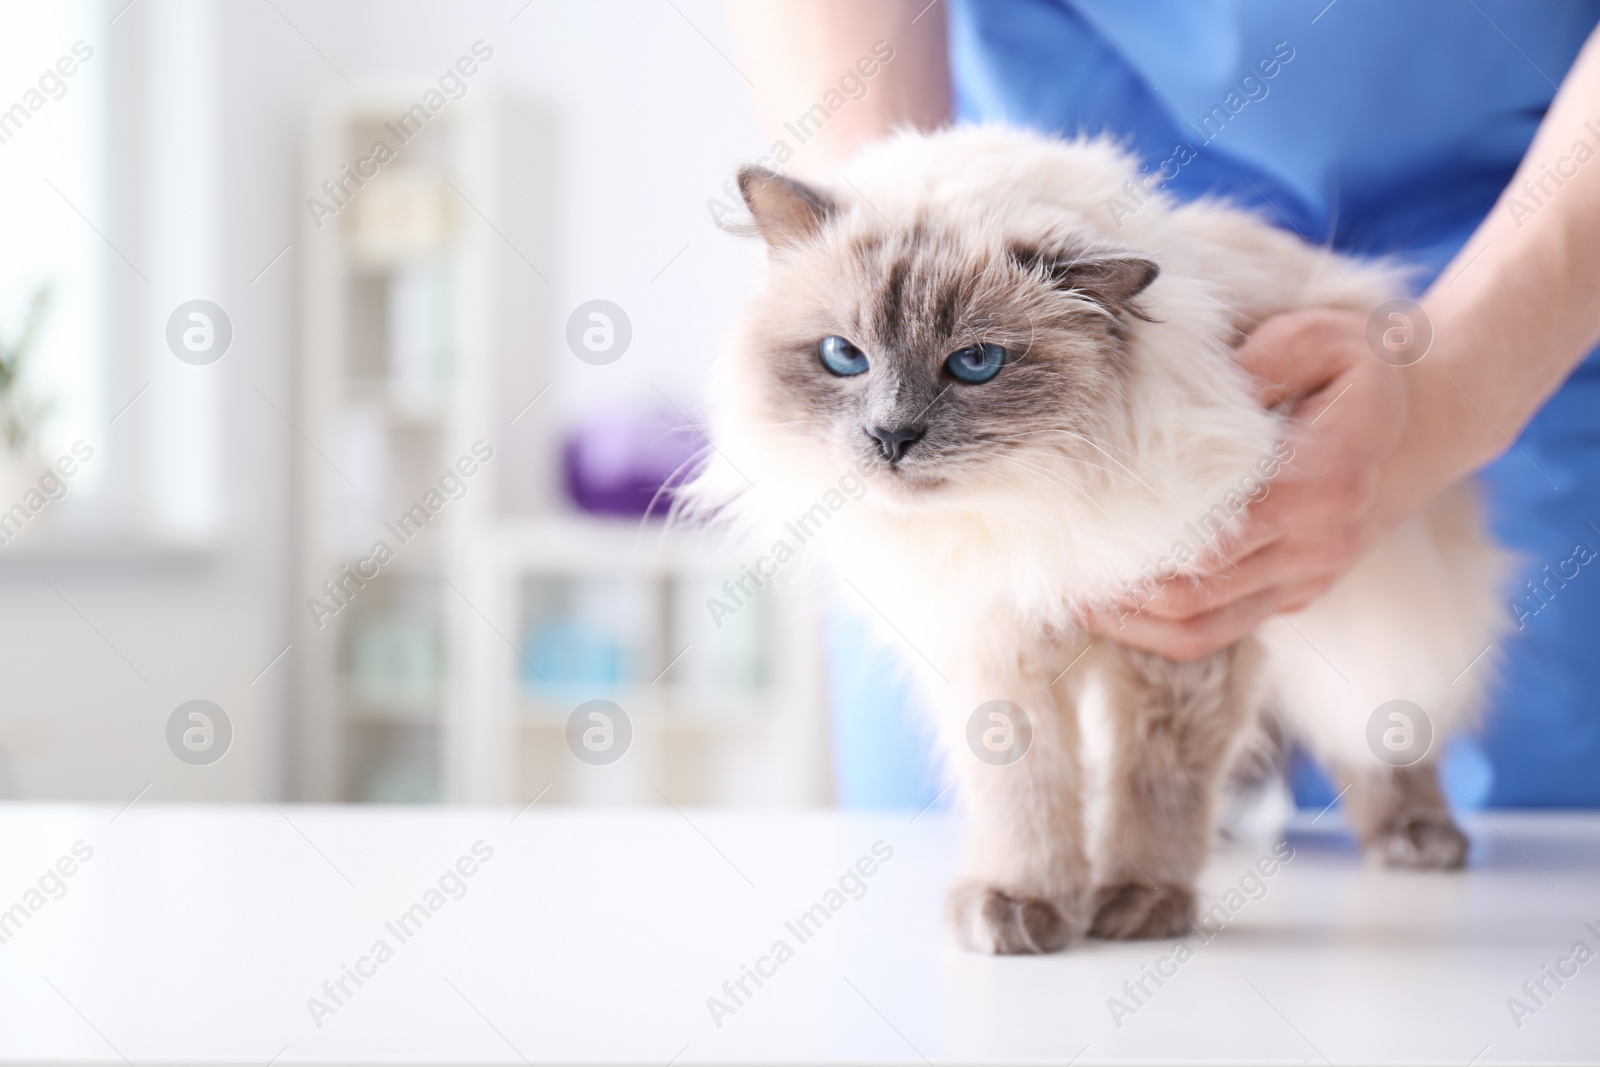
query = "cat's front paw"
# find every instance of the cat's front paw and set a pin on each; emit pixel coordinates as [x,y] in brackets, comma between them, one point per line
[1133,910]
[1428,842]
[1003,923]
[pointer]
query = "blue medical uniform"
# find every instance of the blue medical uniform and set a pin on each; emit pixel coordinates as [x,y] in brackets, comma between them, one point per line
[1374,126]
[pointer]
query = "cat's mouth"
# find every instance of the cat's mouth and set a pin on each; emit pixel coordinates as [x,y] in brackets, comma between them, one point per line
[905,481]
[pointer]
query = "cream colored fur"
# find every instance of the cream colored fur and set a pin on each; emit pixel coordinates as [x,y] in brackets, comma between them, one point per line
[982,580]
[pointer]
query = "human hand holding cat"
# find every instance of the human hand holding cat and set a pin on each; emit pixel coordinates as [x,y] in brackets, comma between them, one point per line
[1512,315]
[1366,456]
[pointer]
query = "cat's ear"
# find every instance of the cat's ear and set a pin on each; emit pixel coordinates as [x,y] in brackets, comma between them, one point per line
[786,212]
[1114,279]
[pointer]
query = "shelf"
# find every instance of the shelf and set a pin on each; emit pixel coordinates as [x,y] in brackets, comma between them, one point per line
[539,718]
[723,696]
[368,712]
[404,357]
[358,264]
[689,724]
[572,542]
[377,395]
[363,708]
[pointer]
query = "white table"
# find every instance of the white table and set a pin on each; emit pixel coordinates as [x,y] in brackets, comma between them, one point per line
[196,934]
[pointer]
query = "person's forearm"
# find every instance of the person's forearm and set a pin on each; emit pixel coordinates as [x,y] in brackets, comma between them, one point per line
[1519,307]
[797,52]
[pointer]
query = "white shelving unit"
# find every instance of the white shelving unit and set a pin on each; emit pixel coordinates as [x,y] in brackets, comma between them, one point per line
[451,673]
[718,714]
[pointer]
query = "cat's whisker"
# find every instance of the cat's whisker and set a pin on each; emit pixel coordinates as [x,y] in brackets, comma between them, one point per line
[1080,488]
[1144,544]
[676,507]
[1065,455]
[1063,431]
[1047,430]
[1092,443]
[1084,462]
[671,482]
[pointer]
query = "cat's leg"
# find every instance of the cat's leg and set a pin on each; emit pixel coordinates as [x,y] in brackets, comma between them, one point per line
[1400,816]
[1174,730]
[1024,883]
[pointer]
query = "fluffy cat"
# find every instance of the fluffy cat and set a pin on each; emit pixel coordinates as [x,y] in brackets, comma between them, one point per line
[1044,400]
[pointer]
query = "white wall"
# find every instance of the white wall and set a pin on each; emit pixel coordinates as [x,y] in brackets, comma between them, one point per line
[649,121]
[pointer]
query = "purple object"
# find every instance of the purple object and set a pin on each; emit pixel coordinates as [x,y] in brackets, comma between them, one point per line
[616,463]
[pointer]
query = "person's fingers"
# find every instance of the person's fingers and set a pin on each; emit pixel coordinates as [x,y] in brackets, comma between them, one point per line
[1183,598]
[1300,536]
[1292,356]
[1301,496]
[1263,525]
[1286,600]
[1201,635]
[1243,563]
[1186,640]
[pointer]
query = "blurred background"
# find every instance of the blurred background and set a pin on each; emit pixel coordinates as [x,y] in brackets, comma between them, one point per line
[345,347]
[348,355]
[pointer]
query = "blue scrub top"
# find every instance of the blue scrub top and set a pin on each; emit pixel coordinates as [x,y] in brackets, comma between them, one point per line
[1377,127]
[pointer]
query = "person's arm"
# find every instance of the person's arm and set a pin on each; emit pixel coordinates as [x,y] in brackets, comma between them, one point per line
[796,51]
[1519,306]
[1512,315]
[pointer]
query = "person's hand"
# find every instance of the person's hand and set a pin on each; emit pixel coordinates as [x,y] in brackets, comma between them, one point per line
[1356,471]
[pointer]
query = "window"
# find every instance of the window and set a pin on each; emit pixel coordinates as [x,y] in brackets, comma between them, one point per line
[52,261]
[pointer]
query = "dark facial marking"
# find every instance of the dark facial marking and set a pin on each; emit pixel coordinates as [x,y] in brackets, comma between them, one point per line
[1112,279]
[891,301]
[786,212]
[911,297]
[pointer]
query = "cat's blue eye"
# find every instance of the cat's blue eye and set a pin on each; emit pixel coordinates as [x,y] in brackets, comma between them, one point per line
[976,364]
[841,357]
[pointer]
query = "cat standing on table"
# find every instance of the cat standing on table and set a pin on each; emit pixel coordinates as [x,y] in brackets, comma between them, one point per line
[1049,400]
[1417,131]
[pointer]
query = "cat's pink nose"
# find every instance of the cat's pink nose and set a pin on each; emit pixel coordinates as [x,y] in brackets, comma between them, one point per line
[892,444]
